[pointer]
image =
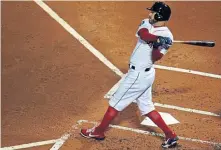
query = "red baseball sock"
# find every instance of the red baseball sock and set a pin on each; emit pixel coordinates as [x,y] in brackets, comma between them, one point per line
[108,117]
[157,119]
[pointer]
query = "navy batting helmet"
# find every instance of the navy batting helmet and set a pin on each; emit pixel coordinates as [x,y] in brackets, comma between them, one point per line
[162,10]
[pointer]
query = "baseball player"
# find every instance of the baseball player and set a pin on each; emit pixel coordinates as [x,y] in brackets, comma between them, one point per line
[154,40]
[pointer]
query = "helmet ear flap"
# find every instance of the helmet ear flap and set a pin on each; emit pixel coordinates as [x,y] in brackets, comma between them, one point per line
[158,17]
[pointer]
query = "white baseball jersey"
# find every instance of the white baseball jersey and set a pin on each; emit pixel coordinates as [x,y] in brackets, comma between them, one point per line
[142,54]
[137,85]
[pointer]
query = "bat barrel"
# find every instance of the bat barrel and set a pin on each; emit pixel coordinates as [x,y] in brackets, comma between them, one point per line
[197,43]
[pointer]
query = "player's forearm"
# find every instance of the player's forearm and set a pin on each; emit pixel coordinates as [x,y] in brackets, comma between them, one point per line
[146,36]
[156,55]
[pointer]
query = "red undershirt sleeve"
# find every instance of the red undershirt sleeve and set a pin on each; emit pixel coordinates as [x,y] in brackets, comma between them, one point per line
[156,55]
[146,36]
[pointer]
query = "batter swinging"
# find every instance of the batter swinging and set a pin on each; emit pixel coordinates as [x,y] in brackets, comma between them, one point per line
[154,40]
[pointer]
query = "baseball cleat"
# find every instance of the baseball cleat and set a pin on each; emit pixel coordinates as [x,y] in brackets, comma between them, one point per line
[90,133]
[170,142]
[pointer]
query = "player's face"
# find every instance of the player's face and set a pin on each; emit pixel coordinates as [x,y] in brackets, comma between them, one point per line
[151,17]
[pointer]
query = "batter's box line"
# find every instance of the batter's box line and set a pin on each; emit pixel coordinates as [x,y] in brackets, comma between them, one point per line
[57,142]
[65,137]
[150,133]
[30,145]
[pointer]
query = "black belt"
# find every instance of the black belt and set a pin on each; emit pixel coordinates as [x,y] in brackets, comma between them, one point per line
[133,67]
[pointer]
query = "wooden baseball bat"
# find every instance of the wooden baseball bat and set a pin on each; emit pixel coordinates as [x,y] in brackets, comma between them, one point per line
[197,43]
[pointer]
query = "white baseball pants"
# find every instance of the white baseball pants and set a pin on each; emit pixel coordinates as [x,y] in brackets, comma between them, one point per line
[137,85]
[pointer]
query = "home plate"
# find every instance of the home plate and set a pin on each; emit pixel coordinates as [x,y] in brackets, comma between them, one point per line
[168,118]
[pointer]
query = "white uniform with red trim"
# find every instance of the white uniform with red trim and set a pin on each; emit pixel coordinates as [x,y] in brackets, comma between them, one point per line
[137,85]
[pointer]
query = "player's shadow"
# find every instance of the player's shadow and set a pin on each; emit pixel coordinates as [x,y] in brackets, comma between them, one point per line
[130,117]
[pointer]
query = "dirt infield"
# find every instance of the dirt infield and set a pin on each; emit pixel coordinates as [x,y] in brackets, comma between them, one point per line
[50,80]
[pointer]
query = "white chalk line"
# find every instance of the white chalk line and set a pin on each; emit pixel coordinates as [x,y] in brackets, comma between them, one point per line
[187,109]
[151,133]
[74,33]
[188,71]
[64,138]
[30,145]
[58,144]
